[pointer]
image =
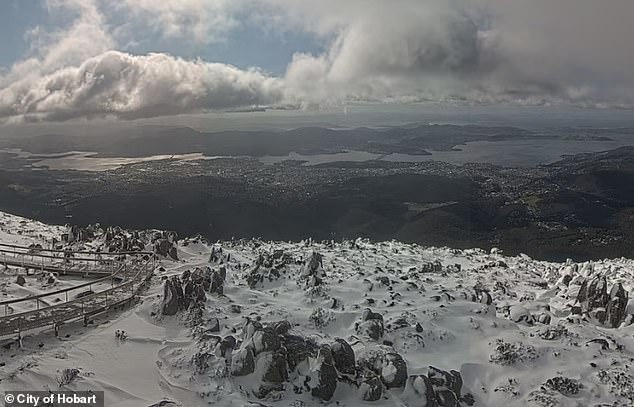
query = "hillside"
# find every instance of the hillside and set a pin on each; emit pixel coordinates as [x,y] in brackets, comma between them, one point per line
[343,323]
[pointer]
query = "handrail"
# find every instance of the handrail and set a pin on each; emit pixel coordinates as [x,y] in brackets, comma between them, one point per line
[63,290]
[67,251]
[85,306]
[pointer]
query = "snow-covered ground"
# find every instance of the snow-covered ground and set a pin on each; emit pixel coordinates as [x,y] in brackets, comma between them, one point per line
[508,325]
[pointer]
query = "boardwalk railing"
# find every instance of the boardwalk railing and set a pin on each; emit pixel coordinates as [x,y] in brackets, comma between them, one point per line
[120,286]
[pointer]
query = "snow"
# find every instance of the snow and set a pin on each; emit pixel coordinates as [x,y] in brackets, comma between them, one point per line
[502,362]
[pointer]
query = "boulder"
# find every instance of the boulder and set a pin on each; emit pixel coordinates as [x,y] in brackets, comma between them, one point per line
[343,356]
[371,388]
[419,392]
[20,280]
[217,283]
[242,362]
[394,370]
[172,296]
[617,304]
[385,363]
[327,375]
[313,272]
[298,349]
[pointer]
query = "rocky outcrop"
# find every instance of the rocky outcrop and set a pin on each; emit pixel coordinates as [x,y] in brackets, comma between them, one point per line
[343,356]
[438,389]
[384,362]
[165,248]
[313,273]
[326,374]
[371,325]
[173,297]
[607,308]
[616,306]
[371,388]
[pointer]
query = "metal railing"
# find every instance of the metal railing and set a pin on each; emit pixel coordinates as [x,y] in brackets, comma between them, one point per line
[132,274]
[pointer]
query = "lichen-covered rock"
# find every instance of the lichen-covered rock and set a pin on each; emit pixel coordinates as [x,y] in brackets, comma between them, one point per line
[343,356]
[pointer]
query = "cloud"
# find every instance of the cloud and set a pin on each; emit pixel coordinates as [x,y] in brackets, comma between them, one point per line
[203,21]
[479,51]
[128,86]
[538,52]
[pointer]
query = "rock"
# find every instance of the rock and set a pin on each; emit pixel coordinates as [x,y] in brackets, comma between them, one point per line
[165,248]
[242,362]
[544,318]
[214,325]
[166,403]
[343,356]
[519,314]
[313,272]
[274,366]
[372,328]
[282,327]
[394,370]
[260,274]
[368,315]
[217,283]
[327,375]
[419,392]
[20,280]
[265,340]
[372,325]
[438,389]
[385,363]
[172,296]
[419,327]
[298,349]
[616,305]
[371,388]
[226,346]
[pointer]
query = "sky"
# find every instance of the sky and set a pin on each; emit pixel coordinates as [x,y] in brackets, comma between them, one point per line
[64,60]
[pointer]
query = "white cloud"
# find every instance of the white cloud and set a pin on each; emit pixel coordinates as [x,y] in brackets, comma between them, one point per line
[128,86]
[202,21]
[575,52]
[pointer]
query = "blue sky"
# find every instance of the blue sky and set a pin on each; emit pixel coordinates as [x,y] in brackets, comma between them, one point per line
[248,44]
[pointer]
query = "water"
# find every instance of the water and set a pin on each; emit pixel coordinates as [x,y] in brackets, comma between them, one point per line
[511,153]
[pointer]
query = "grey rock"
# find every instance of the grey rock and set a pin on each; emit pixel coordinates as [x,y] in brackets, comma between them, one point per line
[242,362]
[327,375]
[371,388]
[343,356]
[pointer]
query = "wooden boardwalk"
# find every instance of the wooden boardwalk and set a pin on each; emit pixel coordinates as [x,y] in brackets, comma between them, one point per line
[119,276]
